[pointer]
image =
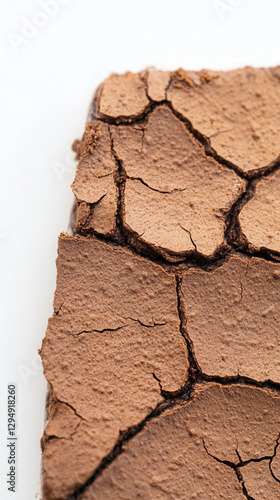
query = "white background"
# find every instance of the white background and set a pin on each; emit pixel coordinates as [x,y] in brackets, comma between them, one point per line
[47,81]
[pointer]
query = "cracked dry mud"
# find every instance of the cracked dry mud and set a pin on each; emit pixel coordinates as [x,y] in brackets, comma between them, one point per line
[163,352]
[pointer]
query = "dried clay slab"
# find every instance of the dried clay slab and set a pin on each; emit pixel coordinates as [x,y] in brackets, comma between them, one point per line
[153,304]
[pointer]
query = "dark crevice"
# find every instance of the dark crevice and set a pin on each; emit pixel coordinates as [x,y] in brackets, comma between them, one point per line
[241,282]
[194,369]
[125,237]
[241,480]
[190,235]
[124,438]
[237,468]
[175,190]
[206,144]
[235,242]
[105,175]
[192,240]
[167,87]
[240,380]
[72,408]
[47,438]
[127,120]
[243,463]
[80,227]
[228,463]
[173,402]
[251,174]
[98,331]
[109,238]
[238,454]
[144,78]
[195,372]
[271,460]
[144,324]
[57,311]
[120,180]
[137,247]
[93,205]
[124,120]
[233,233]
[159,383]
[263,253]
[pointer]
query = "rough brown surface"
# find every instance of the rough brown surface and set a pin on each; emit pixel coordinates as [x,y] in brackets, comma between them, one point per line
[259,481]
[107,351]
[260,217]
[157,84]
[123,96]
[175,198]
[94,185]
[232,307]
[163,352]
[275,463]
[181,453]
[239,111]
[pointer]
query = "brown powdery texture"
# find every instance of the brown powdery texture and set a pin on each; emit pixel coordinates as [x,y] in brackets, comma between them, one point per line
[238,111]
[163,352]
[175,199]
[195,450]
[111,337]
[260,218]
[233,318]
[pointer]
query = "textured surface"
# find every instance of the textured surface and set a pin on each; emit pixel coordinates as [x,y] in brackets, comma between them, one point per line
[94,186]
[275,463]
[174,456]
[233,318]
[259,482]
[260,217]
[107,351]
[157,84]
[181,198]
[163,352]
[239,111]
[123,96]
